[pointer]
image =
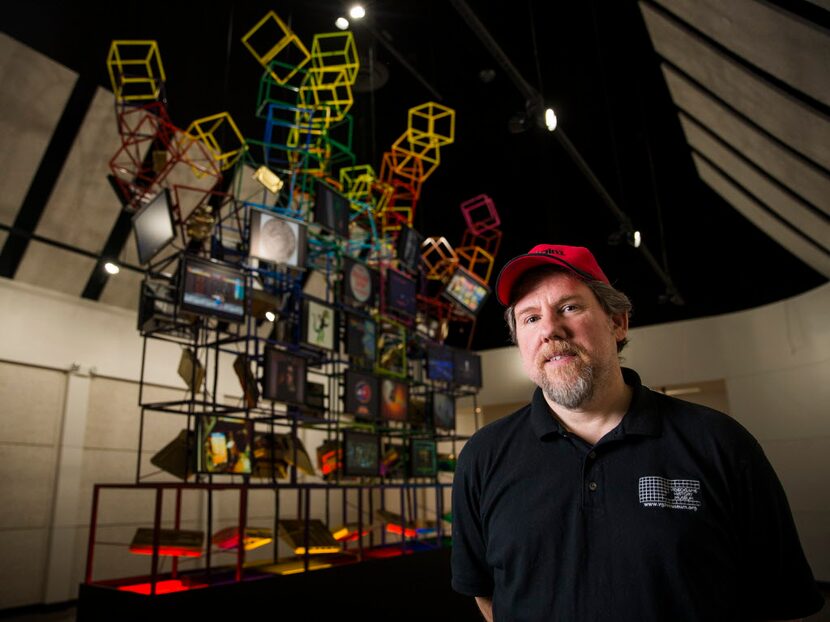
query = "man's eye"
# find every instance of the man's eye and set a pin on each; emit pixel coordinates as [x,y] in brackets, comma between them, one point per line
[530,319]
[569,308]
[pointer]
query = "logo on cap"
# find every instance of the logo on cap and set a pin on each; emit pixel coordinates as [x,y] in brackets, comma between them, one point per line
[553,251]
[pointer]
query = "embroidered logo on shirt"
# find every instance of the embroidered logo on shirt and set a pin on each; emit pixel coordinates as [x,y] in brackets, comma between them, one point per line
[676,494]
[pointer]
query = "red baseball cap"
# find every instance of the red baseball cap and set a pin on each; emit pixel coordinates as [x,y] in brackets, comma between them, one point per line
[576,259]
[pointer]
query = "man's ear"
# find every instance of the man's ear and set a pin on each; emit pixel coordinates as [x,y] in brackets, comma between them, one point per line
[619,324]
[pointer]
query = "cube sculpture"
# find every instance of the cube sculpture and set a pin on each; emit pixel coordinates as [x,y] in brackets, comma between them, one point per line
[439,258]
[480,214]
[207,131]
[135,70]
[271,39]
[476,260]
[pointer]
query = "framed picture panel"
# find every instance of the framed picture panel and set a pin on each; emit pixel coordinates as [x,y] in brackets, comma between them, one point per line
[319,328]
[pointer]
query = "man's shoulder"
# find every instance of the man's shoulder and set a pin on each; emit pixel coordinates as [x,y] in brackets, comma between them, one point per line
[498,432]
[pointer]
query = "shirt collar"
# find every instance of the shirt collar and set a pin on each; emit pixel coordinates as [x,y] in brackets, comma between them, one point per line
[642,417]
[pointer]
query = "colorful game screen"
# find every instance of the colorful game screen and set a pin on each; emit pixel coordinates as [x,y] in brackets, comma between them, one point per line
[361,339]
[319,327]
[401,292]
[362,395]
[443,411]
[224,445]
[394,400]
[361,453]
[359,284]
[466,290]
[439,363]
[211,288]
[285,377]
[423,460]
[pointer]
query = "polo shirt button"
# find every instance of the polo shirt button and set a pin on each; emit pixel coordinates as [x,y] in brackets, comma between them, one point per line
[592,455]
[592,486]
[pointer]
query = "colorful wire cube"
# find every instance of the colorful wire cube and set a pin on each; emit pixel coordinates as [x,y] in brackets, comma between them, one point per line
[270,38]
[480,214]
[490,240]
[438,257]
[207,131]
[431,124]
[135,70]
[335,52]
[476,260]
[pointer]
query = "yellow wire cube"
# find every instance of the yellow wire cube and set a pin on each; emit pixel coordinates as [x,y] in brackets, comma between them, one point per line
[260,42]
[431,124]
[335,51]
[206,129]
[357,181]
[327,88]
[135,70]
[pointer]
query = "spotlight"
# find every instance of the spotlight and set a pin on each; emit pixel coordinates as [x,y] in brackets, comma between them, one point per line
[112,268]
[269,315]
[342,23]
[635,239]
[550,119]
[357,12]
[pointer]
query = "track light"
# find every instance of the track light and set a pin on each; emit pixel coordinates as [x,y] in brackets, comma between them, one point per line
[112,268]
[550,119]
[357,12]
[342,23]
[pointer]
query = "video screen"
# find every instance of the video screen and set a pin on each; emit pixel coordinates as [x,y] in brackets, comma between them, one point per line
[319,325]
[153,227]
[394,400]
[423,460]
[361,339]
[359,284]
[277,239]
[466,368]
[439,363]
[443,411]
[466,290]
[409,248]
[401,291]
[361,395]
[211,288]
[361,453]
[285,377]
[331,210]
[224,445]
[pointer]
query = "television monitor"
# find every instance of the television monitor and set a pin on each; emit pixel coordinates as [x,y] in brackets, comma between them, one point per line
[401,292]
[439,363]
[277,239]
[423,458]
[212,288]
[153,226]
[394,400]
[319,325]
[361,395]
[359,284]
[443,411]
[361,339]
[408,248]
[284,378]
[331,210]
[224,445]
[361,454]
[466,290]
[466,368]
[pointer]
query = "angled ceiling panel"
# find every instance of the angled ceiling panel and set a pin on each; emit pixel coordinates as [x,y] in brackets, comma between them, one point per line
[801,176]
[808,223]
[761,217]
[780,43]
[34,93]
[82,187]
[800,127]
[54,268]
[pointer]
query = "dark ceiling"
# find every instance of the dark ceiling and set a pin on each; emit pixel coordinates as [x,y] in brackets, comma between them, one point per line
[592,61]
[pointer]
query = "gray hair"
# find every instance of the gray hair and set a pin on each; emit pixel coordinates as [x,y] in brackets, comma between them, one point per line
[612,301]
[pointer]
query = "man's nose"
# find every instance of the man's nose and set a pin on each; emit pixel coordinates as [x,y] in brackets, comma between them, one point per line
[553,327]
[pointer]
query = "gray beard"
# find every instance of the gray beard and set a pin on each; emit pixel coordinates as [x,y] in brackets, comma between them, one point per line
[573,395]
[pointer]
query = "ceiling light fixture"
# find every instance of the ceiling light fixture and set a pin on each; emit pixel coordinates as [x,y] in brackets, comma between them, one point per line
[112,268]
[342,23]
[357,12]
[550,119]
[270,316]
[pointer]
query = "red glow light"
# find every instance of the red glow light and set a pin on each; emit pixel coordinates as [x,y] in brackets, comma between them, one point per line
[162,587]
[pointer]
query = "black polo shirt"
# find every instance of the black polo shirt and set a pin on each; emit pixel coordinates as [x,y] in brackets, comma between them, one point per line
[674,515]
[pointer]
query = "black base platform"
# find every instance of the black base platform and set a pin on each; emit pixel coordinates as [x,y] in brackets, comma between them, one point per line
[414,586]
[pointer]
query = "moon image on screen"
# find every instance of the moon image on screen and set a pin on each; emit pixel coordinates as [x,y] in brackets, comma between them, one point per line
[278,240]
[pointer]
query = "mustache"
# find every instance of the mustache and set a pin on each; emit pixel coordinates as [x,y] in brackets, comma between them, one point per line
[559,348]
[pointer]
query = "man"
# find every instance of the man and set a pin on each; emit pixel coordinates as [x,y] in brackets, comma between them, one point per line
[602,500]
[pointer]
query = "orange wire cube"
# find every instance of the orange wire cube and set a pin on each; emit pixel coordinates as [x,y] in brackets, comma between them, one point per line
[490,240]
[135,70]
[271,37]
[476,260]
[480,214]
